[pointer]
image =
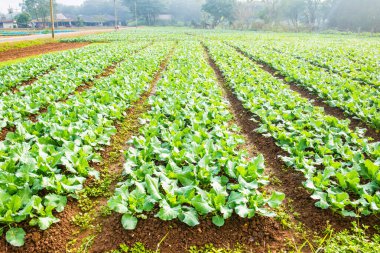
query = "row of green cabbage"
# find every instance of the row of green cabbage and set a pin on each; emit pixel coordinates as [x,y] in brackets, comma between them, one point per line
[334,60]
[362,101]
[187,161]
[83,66]
[41,163]
[340,166]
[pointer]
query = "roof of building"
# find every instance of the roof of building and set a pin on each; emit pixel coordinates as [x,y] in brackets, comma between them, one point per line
[94,19]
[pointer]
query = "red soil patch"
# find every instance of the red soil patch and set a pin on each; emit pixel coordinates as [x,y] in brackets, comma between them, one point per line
[258,234]
[52,240]
[37,50]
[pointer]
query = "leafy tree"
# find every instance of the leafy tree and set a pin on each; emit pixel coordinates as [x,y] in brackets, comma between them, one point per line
[220,10]
[356,15]
[270,13]
[312,7]
[146,9]
[188,11]
[293,10]
[23,19]
[38,9]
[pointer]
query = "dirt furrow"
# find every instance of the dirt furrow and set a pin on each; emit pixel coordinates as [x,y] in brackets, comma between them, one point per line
[297,197]
[315,99]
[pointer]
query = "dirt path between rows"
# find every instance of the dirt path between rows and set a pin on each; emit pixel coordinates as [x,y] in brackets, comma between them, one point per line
[17,53]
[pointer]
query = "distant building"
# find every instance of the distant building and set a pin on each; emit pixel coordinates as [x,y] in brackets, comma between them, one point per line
[7,21]
[8,24]
[164,17]
[59,20]
[96,20]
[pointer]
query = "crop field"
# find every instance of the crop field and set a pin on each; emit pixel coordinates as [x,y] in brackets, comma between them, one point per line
[181,140]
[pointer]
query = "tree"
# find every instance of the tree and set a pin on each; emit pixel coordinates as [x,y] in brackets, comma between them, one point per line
[312,10]
[189,11]
[220,10]
[31,7]
[356,15]
[23,19]
[270,13]
[293,10]
[38,9]
[147,9]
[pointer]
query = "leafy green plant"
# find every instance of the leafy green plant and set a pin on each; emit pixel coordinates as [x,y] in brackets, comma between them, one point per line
[53,155]
[341,166]
[186,162]
[359,100]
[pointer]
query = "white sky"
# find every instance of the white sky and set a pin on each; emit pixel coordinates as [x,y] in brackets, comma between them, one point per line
[4,4]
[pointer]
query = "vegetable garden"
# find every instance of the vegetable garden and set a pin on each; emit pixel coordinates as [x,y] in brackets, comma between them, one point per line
[172,140]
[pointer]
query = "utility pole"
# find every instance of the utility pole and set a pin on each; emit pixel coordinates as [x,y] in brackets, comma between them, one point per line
[52,19]
[114,6]
[136,13]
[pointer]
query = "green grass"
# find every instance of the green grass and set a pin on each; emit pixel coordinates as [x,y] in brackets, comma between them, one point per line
[15,61]
[140,248]
[356,239]
[22,44]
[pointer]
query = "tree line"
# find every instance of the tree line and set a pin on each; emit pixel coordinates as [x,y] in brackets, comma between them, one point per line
[298,15]
[351,15]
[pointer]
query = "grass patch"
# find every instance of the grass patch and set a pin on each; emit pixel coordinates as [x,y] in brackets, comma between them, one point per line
[356,239]
[22,44]
[137,248]
[15,61]
[212,249]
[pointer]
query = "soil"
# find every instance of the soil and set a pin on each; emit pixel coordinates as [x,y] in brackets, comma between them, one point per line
[5,131]
[317,101]
[53,239]
[17,53]
[177,237]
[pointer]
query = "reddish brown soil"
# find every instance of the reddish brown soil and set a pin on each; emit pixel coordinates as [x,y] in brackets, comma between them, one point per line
[5,131]
[52,240]
[291,181]
[13,54]
[317,101]
[264,231]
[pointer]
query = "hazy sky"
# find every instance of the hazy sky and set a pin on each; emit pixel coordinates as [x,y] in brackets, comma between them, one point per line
[4,4]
